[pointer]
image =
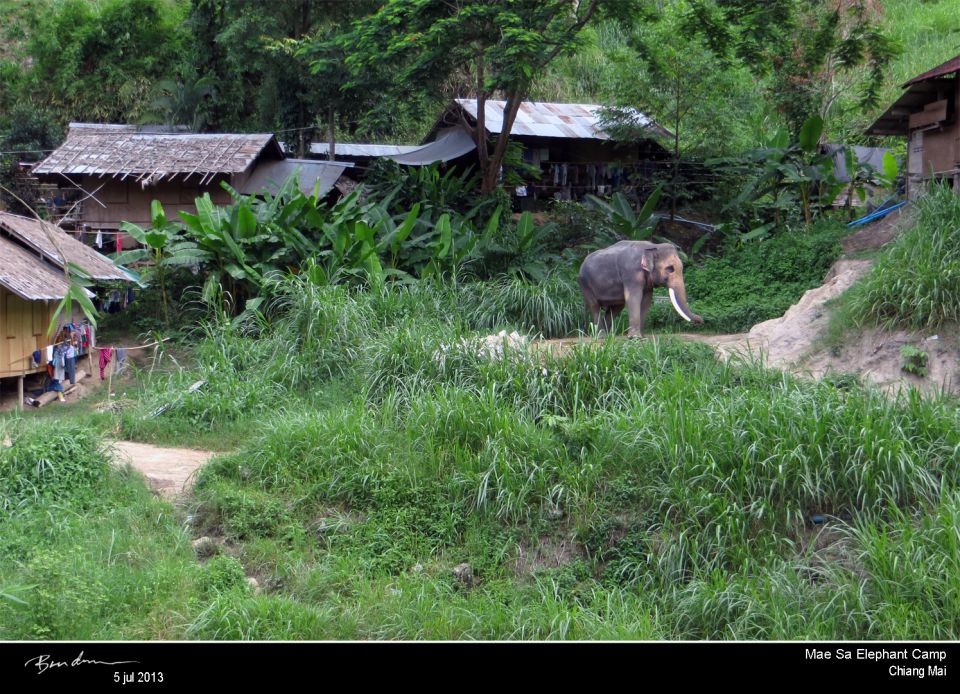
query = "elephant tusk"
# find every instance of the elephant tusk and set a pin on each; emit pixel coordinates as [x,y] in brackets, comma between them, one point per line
[676,306]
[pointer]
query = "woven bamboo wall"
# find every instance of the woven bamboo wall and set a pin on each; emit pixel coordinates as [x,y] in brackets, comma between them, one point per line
[23,327]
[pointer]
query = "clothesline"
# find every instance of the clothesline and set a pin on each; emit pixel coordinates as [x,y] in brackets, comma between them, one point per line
[152,344]
[105,232]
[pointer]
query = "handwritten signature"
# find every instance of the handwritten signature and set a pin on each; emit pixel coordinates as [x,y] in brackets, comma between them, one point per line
[44,663]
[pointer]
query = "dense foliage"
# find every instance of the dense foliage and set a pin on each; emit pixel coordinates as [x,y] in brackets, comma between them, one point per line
[111,59]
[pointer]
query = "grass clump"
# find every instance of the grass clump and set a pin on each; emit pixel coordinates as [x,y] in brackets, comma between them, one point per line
[552,307]
[49,461]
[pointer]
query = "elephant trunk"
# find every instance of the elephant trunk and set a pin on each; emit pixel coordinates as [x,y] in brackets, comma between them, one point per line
[678,297]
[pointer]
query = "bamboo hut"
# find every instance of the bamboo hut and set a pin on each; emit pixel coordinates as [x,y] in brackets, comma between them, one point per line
[32,282]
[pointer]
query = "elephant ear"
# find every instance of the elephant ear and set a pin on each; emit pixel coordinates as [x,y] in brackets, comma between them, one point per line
[647,261]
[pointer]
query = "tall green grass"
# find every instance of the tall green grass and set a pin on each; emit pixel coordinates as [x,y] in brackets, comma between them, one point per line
[673,480]
[915,283]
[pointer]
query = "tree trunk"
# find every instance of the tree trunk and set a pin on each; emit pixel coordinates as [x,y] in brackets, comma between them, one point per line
[481,133]
[332,150]
[676,169]
[492,172]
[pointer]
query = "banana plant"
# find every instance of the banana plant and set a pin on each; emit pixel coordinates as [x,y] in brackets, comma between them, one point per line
[77,291]
[456,239]
[163,244]
[628,224]
[220,234]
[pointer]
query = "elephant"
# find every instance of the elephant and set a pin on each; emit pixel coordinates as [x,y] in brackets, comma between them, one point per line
[625,274]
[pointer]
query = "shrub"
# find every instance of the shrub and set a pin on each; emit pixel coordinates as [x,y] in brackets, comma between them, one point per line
[49,460]
[220,574]
[914,360]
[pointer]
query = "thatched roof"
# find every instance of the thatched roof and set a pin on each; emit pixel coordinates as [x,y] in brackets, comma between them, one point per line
[149,156]
[27,275]
[35,235]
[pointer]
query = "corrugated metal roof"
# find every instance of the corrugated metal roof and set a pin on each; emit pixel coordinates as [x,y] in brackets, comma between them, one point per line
[26,274]
[349,149]
[450,144]
[542,119]
[270,175]
[952,65]
[34,234]
[150,156]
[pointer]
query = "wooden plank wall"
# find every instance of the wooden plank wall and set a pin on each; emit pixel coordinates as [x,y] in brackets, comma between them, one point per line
[126,201]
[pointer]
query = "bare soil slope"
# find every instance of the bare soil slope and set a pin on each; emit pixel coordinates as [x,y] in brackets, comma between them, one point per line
[791,341]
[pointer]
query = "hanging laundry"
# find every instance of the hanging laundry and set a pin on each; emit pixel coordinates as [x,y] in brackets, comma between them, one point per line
[99,239]
[50,354]
[58,363]
[121,360]
[114,304]
[119,243]
[105,355]
[70,362]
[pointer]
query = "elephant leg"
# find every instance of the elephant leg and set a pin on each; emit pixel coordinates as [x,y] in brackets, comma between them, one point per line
[637,305]
[645,307]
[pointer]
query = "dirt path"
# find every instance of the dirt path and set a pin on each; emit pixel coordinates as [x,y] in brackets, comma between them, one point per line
[170,472]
